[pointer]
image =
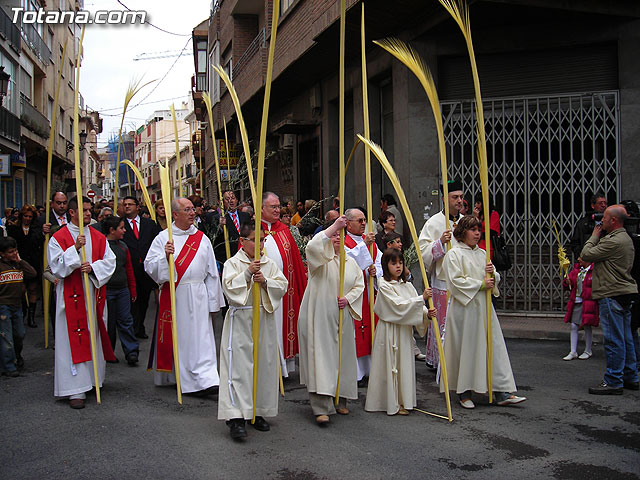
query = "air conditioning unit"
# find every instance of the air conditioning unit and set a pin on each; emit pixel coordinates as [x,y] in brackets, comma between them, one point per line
[203,125]
[287,141]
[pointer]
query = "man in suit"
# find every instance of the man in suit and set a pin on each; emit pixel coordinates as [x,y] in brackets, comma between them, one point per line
[139,234]
[58,217]
[233,219]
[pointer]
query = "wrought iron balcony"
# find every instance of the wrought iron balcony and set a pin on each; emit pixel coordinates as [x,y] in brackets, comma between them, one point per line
[32,38]
[254,47]
[33,119]
[9,125]
[9,31]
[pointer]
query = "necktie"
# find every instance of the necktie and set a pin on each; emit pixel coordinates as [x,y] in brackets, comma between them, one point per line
[234,216]
[63,220]
[135,227]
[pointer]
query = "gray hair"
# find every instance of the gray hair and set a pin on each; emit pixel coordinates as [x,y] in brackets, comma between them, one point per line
[105,210]
[349,213]
[175,204]
[266,195]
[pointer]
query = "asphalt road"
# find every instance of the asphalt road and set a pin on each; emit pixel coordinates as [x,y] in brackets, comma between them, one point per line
[139,431]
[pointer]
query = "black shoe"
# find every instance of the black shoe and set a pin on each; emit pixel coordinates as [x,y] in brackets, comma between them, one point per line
[15,373]
[632,385]
[132,359]
[604,389]
[206,392]
[261,424]
[114,361]
[20,362]
[363,383]
[237,430]
[142,335]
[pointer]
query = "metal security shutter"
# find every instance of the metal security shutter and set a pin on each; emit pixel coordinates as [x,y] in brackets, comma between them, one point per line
[562,70]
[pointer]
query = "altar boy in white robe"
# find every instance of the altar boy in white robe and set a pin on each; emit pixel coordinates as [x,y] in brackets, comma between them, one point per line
[73,373]
[198,294]
[241,272]
[318,325]
[392,381]
[465,348]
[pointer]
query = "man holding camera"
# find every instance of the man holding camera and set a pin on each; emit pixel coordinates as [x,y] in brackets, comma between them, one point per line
[614,288]
[584,226]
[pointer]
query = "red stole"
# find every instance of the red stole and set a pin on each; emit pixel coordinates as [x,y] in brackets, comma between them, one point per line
[164,340]
[74,302]
[293,269]
[363,331]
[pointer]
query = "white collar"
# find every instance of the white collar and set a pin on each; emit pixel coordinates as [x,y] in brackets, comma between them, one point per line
[179,232]
[357,238]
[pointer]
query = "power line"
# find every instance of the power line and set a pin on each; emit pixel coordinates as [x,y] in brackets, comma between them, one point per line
[138,105]
[158,28]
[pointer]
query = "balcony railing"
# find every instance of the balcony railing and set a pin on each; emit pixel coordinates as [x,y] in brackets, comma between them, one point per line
[200,82]
[9,31]
[33,119]
[253,48]
[9,125]
[31,36]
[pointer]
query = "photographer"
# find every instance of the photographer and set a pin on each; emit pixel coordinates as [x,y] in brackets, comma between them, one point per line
[632,225]
[614,288]
[584,226]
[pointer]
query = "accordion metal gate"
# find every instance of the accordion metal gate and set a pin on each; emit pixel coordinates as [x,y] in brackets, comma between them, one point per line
[546,156]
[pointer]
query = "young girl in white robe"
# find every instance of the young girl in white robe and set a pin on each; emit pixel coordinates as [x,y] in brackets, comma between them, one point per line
[465,346]
[392,380]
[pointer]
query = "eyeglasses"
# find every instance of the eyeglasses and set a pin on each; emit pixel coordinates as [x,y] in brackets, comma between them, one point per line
[359,220]
[188,210]
[252,240]
[272,207]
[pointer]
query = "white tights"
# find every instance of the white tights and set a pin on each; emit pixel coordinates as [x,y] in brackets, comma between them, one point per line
[588,338]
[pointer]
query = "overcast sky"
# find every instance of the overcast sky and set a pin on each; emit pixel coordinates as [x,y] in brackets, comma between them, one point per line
[108,64]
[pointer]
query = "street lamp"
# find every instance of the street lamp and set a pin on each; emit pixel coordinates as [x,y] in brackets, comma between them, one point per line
[4,84]
[83,140]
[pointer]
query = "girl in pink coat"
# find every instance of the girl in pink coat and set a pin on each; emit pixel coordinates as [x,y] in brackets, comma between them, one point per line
[582,310]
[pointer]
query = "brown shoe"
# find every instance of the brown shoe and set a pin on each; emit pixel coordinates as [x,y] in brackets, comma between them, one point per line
[322,419]
[342,411]
[76,403]
[403,411]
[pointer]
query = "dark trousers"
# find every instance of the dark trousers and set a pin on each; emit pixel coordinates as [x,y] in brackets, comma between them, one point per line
[144,286]
[119,309]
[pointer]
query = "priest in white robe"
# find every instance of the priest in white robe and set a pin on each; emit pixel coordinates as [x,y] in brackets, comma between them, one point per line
[198,294]
[392,382]
[73,371]
[318,325]
[433,241]
[356,245]
[465,349]
[240,273]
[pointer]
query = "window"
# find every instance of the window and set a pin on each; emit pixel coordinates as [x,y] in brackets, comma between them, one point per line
[214,78]
[71,76]
[71,130]
[228,68]
[285,4]
[60,61]
[61,123]
[49,108]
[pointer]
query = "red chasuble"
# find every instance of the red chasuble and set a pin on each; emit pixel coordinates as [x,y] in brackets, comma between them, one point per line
[74,302]
[363,327]
[164,340]
[293,269]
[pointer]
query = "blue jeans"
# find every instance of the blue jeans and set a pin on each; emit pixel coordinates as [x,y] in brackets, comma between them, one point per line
[11,336]
[119,306]
[618,343]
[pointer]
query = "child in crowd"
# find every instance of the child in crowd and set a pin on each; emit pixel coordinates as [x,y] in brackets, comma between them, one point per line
[392,381]
[241,272]
[121,292]
[582,310]
[465,348]
[13,272]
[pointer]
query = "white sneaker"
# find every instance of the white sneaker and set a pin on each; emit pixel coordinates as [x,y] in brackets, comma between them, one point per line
[585,355]
[420,356]
[511,400]
[467,404]
[571,356]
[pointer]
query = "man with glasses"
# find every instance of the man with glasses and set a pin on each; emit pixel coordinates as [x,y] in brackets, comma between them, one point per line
[356,245]
[233,219]
[281,248]
[198,294]
[138,235]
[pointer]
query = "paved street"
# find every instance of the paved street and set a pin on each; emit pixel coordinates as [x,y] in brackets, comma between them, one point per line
[140,431]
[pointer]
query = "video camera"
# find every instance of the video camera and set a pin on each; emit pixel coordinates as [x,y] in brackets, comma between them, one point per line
[630,223]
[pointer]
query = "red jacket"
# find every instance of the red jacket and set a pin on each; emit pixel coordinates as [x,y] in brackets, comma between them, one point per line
[590,311]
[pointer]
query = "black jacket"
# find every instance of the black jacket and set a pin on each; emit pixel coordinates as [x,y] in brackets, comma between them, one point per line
[234,235]
[581,233]
[138,247]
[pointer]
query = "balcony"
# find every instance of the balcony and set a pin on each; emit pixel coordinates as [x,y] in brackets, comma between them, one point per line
[9,126]
[253,48]
[32,38]
[9,31]
[33,119]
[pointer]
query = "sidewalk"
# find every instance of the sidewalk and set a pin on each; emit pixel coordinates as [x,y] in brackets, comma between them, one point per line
[539,327]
